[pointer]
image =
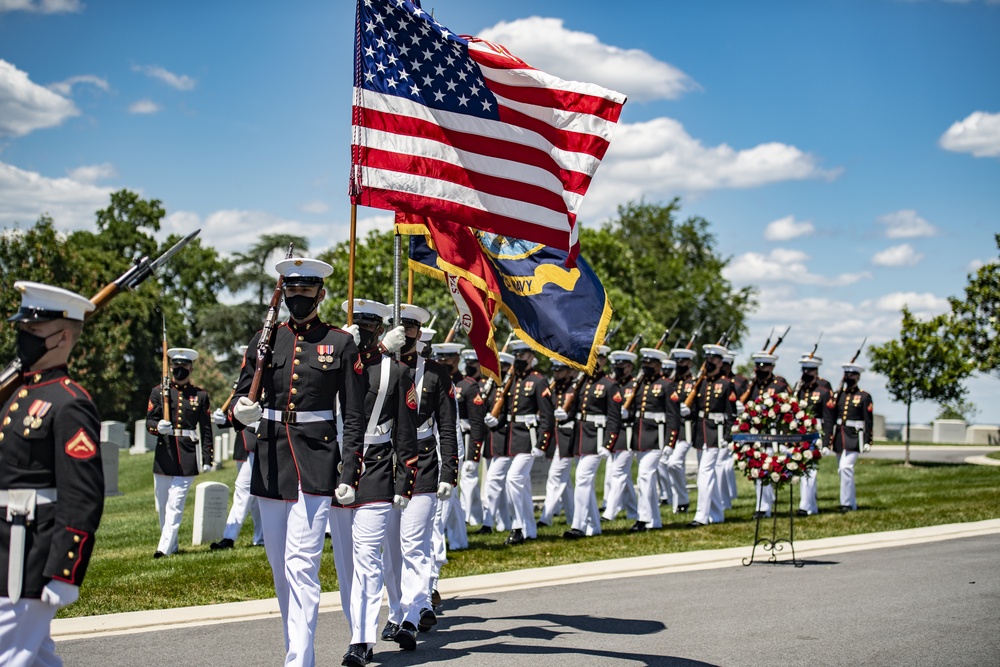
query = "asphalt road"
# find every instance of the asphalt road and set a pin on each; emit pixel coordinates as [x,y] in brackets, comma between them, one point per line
[927,604]
[929,453]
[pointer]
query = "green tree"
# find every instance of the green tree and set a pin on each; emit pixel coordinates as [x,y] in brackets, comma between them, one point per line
[252,269]
[979,316]
[960,409]
[927,363]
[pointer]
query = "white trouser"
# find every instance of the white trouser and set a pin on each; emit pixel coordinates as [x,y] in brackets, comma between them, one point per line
[497,510]
[407,558]
[606,464]
[845,466]
[807,493]
[293,539]
[472,503]
[648,500]
[519,494]
[710,508]
[765,498]
[454,524]
[723,462]
[676,472]
[24,633]
[663,475]
[243,502]
[585,512]
[439,543]
[622,493]
[171,493]
[558,490]
[357,536]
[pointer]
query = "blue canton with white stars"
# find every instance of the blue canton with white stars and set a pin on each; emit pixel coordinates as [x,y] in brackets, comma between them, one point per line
[404,52]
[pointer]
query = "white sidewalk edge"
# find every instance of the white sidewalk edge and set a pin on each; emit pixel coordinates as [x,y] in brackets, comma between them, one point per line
[169,619]
[982,461]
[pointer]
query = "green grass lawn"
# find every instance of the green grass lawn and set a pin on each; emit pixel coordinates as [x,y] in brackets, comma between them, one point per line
[994,455]
[124,577]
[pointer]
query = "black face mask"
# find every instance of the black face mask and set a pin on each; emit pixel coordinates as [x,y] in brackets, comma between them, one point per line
[711,367]
[682,369]
[762,374]
[620,371]
[649,371]
[472,370]
[410,343]
[31,348]
[180,373]
[808,379]
[368,338]
[520,365]
[850,382]
[300,305]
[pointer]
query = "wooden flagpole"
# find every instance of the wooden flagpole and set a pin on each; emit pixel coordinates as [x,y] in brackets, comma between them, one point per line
[350,265]
[409,286]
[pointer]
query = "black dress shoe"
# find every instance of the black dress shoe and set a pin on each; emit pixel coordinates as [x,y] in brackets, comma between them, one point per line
[574,534]
[369,655]
[516,537]
[681,509]
[844,509]
[389,631]
[664,502]
[406,636]
[435,598]
[801,513]
[484,530]
[224,543]
[159,554]
[427,620]
[638,527]
[695,524]
[760,515]
[356,656]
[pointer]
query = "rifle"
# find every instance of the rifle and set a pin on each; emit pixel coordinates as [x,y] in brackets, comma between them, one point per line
[143,268]
[165,383]
[843,381]
[636,342]
[266,341]
[725,340]
[689,399]
[614,330]
[694,336]
[454,329]
[795,390]
[746,394]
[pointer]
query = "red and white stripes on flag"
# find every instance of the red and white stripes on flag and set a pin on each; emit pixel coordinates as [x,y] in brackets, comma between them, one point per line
[459,128]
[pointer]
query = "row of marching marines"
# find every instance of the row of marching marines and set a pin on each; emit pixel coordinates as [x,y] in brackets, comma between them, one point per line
[381,441]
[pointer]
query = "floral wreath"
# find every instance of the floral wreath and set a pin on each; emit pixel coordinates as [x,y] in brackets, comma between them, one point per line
[775,441]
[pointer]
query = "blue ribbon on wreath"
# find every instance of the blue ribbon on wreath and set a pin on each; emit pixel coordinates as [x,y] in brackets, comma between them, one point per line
[775,439]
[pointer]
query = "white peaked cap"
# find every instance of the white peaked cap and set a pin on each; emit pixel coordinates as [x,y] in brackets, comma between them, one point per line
[517,346]
[717,350]
[764,358]
[313,270]
[653,353]
[602,350]
[426,334]
[621,355]
[407,311]
[506,358]
[810,362]
[182,354]
[682,353]
[852,368]
[368,307]
[446,348]
[40,302]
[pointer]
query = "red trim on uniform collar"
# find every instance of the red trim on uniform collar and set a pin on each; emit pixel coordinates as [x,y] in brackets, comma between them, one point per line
[409,358]
[371,355]
[303,327]
[44,375]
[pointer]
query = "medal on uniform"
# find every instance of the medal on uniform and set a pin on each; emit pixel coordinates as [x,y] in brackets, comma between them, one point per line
[36,411]
[325,353]
[36,422]
[28,419]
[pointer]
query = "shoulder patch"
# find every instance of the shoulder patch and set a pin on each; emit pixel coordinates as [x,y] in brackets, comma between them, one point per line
[81,446]
[411,397]
[451,391]
[149,406]
[359,367]
[617,398]
[478,400]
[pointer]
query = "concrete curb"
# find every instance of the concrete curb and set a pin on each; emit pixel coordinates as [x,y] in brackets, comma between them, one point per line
[982,461]
[171,619]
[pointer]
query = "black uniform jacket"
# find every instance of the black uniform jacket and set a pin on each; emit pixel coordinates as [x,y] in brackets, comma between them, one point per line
[50,438]
[741,383]
[816,401]
[564,395]
[313,366]
[495,443]
[435,401]
[598,395]
[714,405]
[685,386]
[851,407]
[656,403]
[627,385]
[244,443]
[177,456]
[471,410]
[382,478]
[529,398]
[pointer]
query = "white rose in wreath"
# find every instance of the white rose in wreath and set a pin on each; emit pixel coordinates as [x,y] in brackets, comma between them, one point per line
[742,465]
[775,477]
[795,480]
[807,455]
[785,407]
[769,401]
[792,465]
[755,473]
[800,414]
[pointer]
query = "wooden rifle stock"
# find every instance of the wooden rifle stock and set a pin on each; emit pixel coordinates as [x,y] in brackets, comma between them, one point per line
[165,382]
[266,342]
[502,395]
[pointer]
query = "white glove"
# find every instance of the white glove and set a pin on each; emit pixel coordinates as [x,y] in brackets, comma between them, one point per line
[394,339]
[825,451]
[444,491]
[247,411]
[866,447]
[345,494]
[624,414]
[490,420]
[469,467]
[354,331]
[560,414]
[400,502]
[206,467]
[685,410]
[665,454]
[163,427]
[603,452]
[537,452]
[219,417]
[60,593]
[740,408]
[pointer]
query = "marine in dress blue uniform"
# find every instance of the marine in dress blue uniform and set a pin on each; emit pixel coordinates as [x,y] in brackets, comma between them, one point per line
[657,421]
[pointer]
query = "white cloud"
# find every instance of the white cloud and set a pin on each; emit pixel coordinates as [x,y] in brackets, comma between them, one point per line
[906,224]
[975,264]
[785,229]
[546,44]
[25,195]
[315,207]
[93,173]
[180,82]
[25,106]
[65,88]
[978,134]
[899,255]
[923,304]
[784,266]
[144,106]
[41,6]
[658,158]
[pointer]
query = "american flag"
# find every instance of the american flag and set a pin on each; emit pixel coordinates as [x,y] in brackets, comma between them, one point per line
[460,129]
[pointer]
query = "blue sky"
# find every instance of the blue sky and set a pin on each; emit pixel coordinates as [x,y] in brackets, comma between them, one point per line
[847,153]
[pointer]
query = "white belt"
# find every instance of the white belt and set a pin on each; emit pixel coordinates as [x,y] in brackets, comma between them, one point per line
[426,430]
[303,417]
[42,496]
[185,433]
[567,424]
[658,417]
[530,420]
[466,425]
[714,416]
[600,420]
[853,423]
[20,504]
[381,433]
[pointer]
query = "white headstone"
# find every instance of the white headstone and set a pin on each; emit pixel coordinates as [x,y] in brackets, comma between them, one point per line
[919,433]
[949,431]
[211,507]
[983,434]
[878,427]
[109,459]
[112,431]
[142,440]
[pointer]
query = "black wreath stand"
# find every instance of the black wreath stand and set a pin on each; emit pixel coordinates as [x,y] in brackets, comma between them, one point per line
[775,544]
